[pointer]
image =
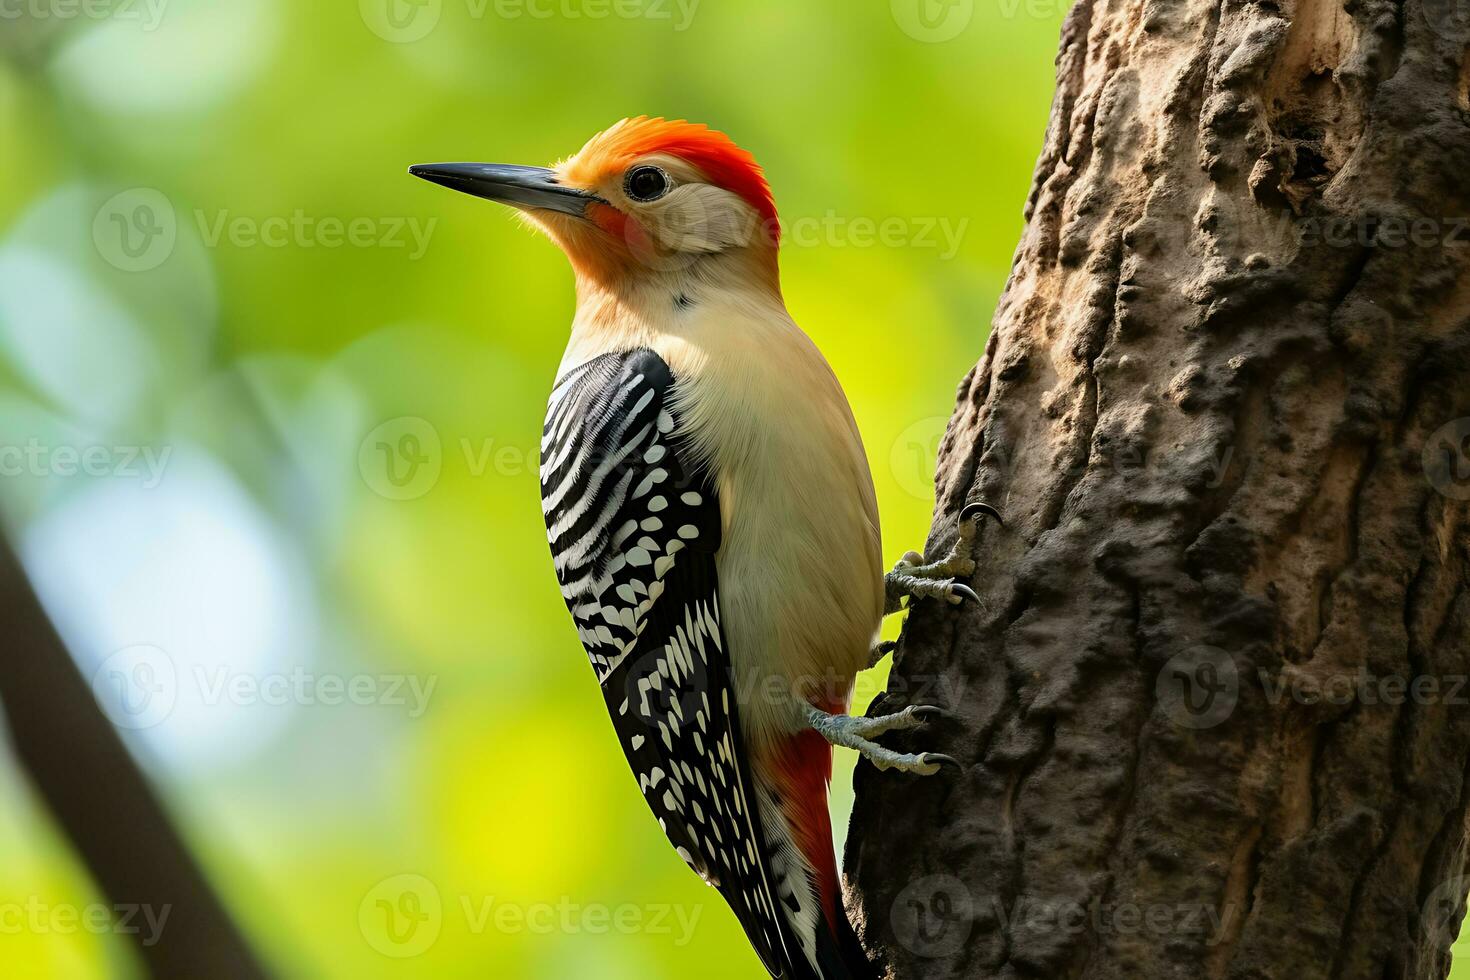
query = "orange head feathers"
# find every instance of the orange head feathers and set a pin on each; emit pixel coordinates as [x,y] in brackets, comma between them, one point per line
[647,197]
[719,158]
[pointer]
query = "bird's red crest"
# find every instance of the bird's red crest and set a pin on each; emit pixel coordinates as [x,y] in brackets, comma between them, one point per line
[719,157]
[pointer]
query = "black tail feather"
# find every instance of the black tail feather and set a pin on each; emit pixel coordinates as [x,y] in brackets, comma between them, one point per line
[839,956]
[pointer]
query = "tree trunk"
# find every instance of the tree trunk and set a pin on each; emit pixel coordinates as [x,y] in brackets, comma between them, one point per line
[1211,709]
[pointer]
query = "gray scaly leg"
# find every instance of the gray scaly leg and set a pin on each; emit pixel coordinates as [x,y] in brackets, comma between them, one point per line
[855,733]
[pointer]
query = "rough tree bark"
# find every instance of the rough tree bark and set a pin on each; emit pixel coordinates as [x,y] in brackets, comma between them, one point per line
[1211,710]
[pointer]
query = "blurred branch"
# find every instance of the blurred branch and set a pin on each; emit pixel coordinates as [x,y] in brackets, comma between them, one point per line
[102,800]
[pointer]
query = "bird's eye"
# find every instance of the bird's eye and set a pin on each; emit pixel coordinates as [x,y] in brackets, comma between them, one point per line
[646,184]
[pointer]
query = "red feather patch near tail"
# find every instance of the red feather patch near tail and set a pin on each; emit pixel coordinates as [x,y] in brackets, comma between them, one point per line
[802,774]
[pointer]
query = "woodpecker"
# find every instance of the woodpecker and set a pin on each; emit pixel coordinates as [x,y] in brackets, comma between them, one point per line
[713,522]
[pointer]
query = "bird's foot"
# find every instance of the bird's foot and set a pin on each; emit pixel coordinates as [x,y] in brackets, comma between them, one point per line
[917,579]
[855,733]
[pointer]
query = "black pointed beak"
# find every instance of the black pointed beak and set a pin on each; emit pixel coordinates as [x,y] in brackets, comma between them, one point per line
[521,187]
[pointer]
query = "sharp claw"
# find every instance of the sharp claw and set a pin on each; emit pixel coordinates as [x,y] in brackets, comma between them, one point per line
[965,591]
[935,759]
[927,711]
[974,510]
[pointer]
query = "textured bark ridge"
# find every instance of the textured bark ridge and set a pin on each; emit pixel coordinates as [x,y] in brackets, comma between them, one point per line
[1212,709]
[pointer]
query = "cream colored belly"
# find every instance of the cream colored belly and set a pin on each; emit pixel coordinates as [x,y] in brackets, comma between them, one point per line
[800,592]
[800,573]
[800,565]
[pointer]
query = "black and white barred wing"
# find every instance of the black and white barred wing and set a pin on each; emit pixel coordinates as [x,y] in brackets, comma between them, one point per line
[617,507]
[634,529]
[674,708]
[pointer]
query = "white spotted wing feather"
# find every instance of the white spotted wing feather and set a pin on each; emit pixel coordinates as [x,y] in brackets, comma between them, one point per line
[634,529]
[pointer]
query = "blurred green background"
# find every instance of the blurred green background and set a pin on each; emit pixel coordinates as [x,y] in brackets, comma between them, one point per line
[272,409]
